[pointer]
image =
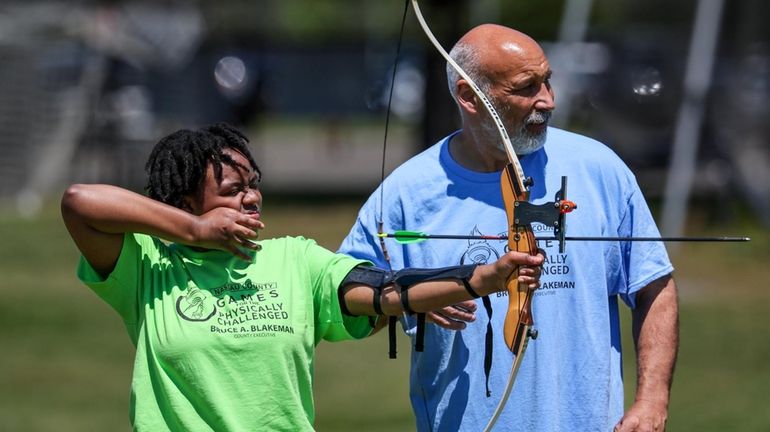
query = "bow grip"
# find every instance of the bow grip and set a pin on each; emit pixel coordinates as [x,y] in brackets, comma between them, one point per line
[518,318]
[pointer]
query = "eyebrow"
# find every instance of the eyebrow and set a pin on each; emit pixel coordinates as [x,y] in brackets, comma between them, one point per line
[241,180]
[526,77]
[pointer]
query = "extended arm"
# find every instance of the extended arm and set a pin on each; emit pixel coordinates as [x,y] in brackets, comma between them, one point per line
[97,216]
[431,295]
[656,335]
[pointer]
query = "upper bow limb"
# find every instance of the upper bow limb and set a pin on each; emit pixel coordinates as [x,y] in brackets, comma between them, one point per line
[656,336]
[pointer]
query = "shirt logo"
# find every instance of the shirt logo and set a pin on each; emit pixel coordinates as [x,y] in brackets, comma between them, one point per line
[479,251]
[196,305]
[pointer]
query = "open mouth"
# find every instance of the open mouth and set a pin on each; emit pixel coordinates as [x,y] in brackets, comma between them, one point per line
[536,127]
[537,122]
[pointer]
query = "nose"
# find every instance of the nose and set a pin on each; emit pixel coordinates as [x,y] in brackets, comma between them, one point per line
[252,197]
[545,98]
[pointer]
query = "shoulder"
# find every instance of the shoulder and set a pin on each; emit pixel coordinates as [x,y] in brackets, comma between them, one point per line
[147,245]
[296,250]
[578,146]
[591,163]
[422,169]
[423,163]
[294,246]
[287,242]
[582,151]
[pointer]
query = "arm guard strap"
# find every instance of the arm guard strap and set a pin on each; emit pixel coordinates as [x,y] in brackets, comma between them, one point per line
[407,277]
[378,279]
[372,277]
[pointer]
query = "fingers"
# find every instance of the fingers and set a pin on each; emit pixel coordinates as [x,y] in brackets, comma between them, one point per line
[251,223]
[247,243]
[627,425]
[527,268]
[229,230]
[457,313]
[531,283]
[246,233]
[452,317]
[530,271]
[467,305]
[513,261]
[520,260]
[643,416]
[443,322]
[529,277]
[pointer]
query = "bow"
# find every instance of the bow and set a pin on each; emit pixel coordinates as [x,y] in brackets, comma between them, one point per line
[520,213]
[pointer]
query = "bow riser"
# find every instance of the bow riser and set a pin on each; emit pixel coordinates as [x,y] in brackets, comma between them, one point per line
[520,239]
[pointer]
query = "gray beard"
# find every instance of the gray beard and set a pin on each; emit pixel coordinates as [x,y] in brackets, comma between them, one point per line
[525,143]
[522,141]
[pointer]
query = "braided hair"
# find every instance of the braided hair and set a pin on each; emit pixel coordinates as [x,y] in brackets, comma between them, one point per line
[177,165]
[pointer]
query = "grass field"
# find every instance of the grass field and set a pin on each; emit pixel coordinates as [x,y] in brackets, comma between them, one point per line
[66,360]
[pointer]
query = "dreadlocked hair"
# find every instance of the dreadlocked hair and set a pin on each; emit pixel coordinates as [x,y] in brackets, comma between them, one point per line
[177,165]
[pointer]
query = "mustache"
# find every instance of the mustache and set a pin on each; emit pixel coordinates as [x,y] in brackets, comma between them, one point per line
[538,117]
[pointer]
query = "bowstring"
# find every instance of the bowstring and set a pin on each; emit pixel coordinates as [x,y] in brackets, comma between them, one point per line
[381,220]
[393,319]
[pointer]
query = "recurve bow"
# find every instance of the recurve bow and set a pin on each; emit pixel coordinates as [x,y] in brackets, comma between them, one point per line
[520,213]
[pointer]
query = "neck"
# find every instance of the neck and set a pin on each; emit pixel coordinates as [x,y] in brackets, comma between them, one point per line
[475,153]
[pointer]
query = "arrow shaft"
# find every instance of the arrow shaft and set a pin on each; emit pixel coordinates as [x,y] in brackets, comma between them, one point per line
[659,239]
[569,238]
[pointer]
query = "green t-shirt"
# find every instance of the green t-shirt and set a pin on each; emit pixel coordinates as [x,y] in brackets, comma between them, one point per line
[222,344]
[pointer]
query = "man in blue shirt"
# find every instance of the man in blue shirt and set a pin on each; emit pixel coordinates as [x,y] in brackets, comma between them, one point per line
[570,378]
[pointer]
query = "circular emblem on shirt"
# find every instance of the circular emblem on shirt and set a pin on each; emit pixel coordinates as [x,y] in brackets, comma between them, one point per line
[196,305]
[479,253]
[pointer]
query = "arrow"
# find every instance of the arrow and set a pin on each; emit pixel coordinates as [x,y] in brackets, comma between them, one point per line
[408,237]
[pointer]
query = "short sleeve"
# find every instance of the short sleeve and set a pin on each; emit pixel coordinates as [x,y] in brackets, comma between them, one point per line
[327,271]
[361,241]
[121,288]
[643,262]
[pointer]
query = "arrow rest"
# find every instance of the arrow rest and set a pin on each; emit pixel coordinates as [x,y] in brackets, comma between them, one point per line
[551,214]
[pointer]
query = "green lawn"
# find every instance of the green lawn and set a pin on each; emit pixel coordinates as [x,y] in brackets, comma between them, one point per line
[66,359]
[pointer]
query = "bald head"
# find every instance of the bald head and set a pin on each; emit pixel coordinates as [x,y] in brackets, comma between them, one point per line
[512,71]
[489,51]
[492,41]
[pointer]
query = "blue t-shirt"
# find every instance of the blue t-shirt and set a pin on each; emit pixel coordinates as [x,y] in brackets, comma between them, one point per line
[570,378]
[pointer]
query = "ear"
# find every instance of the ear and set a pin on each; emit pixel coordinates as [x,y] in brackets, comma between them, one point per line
[466,98]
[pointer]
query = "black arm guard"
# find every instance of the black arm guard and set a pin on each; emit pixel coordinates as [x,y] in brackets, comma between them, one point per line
[378,279]
[369,276]
[408,277]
